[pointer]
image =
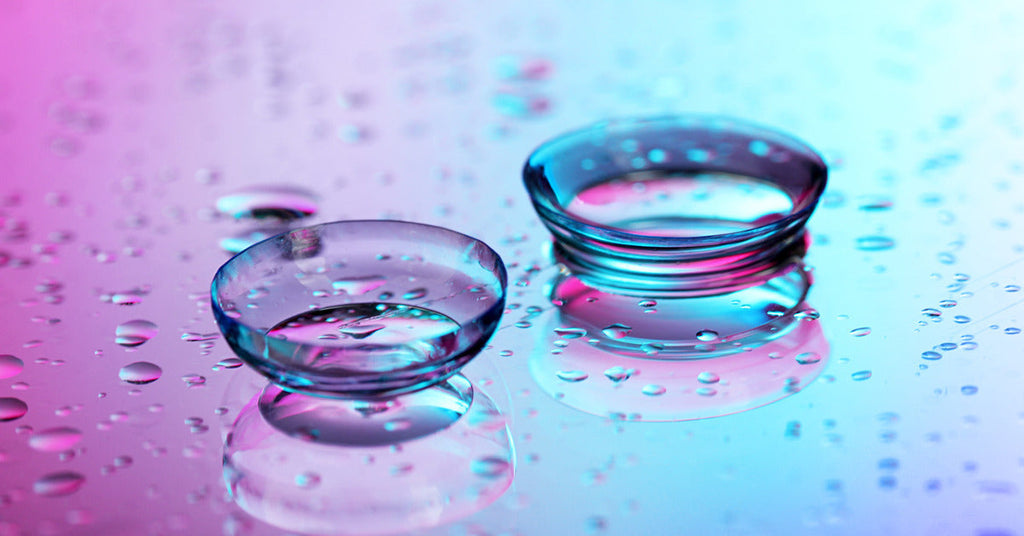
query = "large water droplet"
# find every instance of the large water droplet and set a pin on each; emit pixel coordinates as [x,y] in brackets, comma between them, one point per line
[135,332]
[12,408]
[55,439]
[284,203]
[140,373]
[10,366]
[58,484]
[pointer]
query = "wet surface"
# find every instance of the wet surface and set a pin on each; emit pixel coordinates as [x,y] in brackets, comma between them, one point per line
[141,145]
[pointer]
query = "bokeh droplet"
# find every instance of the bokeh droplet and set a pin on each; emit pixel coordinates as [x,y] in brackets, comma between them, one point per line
[58,484]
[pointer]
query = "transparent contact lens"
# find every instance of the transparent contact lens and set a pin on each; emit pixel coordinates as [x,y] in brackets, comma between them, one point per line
[703,215]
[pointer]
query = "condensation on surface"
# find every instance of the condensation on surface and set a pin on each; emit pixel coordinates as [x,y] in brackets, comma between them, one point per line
[123,124]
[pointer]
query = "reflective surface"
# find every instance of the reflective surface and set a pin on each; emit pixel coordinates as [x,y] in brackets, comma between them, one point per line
[122,124]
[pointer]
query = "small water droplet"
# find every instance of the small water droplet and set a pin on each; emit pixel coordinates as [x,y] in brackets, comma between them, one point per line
[946,304]
[875,243]
[58,484]
[861,375]
[229,363]
[55,439]
[707,335]
[807,314]
[618,374]
[572,376]
[653,390]
[12,408]
[969,390]
[707,377]
[570,333]
[397,425]
[808,358]
[307,480]
[706,391]
[355,286]
[135,332]
[931,355]
[617,331]
[140,373]
[860,332]
[490,467]
[415,294]
[647,304]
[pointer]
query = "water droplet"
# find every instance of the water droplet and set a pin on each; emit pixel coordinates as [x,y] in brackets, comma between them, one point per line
[931,312]
[875,243]
[807,314]
[140,373]
[946,304]
[653,390]
[490,467]
[616,331]
[707,377]
[355,286]
[961,319]
[706,391]
[12,408]
[55,439]
[10,366]
[647,304]
[229,363]
[618,374]
[707,335]
[283,203]
[860,332]
[931,355]
[969,390]
[192,380]
[808,358]
[401,469]
[523,324]
[135,332]
[861,375]
[415,294]
[570,333]
[1012,331]
[307,480]
[572,376]
[58,484]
